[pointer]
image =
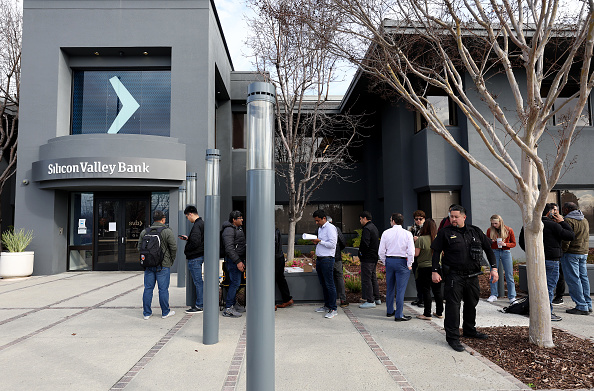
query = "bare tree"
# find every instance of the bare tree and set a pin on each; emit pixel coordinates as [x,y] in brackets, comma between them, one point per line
[313,139]
[540,49]
[10,80]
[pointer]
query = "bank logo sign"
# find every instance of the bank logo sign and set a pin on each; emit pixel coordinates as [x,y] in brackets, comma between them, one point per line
[97,167]
[129,105]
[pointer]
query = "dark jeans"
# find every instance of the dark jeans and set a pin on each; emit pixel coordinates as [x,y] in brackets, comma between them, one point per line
[281,281]
[417,285]
[426,285]
[459,288]
[324,268]
[195,268]
[369,286]
[235,282]
[339,280]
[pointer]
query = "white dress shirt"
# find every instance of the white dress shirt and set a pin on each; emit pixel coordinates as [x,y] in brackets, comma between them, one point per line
[397,242]
[329,237]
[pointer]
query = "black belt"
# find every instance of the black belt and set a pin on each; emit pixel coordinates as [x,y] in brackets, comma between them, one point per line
[394,256]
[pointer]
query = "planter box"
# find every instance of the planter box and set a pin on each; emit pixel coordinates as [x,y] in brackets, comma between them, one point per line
[303,287]
[524,280]
[16,264]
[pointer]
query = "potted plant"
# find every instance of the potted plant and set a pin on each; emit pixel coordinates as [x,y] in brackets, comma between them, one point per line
[16,262]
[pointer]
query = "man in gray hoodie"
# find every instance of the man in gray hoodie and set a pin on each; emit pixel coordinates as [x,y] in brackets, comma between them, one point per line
[573,262]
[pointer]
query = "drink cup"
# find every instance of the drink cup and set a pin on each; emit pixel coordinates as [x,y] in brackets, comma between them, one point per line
[499,242]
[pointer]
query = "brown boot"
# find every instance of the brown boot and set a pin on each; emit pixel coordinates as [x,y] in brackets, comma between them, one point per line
[287,304]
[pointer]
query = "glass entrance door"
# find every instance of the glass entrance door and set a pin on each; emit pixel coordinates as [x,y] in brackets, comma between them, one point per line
[118,224]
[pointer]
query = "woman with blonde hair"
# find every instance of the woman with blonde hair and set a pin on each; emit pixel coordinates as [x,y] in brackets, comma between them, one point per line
[503,240]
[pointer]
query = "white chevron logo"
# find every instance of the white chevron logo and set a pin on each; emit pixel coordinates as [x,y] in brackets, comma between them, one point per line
[129,105]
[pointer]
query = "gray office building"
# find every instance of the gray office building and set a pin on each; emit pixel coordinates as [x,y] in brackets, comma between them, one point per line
[121,99]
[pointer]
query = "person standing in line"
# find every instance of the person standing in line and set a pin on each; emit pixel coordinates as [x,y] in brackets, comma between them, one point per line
[423,255]
[279,271]
[338,273]
[555,230]
[462,246]
[194,252]
[396,251]
[233,239]
[159,274]
[503,240]
[560,288]
[575,257]
[325,253]
[368,254]
[415,229]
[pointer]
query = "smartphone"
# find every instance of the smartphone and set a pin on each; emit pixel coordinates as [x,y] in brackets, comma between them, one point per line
[182,237]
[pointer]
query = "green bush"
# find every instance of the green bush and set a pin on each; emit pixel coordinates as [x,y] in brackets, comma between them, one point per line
[357,240]
[302,242]
[16,242]
[297,253]
[353,283]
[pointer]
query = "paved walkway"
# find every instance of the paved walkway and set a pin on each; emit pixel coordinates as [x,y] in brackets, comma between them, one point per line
[84,331]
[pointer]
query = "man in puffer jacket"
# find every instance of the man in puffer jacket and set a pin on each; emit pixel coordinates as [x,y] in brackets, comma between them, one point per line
[233,239]
[555,230]
[573,262]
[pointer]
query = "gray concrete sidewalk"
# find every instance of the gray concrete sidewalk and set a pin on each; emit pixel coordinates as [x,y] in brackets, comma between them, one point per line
[75,331]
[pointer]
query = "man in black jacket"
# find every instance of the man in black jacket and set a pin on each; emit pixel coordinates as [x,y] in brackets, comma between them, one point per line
[462,246]
[194,252]
[368,255]
[234,243]
[555,230]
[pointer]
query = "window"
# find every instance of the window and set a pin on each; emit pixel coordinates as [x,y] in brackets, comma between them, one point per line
[435,204]
[585,202]
[239,130]
[445,109]
[345,217]
[125,102]
[160,201]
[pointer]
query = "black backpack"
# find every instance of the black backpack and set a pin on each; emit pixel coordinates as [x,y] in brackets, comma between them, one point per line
[520,307]
[151,254]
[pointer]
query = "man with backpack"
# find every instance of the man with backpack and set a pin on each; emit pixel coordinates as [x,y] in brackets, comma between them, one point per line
[157,251]
[194,252]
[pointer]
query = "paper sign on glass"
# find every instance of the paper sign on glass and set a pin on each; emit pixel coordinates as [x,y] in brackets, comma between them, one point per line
[82,231]
[309,237]
[82,223]
[112,226]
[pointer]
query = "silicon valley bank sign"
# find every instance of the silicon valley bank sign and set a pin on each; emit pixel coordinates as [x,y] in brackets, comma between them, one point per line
[106,167]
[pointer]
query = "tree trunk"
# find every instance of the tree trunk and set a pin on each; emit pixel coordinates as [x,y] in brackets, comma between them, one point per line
[540,332]
[291,240]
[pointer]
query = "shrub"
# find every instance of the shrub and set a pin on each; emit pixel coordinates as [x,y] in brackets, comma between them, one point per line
[347,258]
[357,240]
[16,242]
[297,253]
[302,242]
[353,283]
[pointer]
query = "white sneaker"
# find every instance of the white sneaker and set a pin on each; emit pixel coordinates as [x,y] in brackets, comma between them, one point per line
[323,309]
[492,298]
[146,317]
[511,301]
[330,314]
[171,313]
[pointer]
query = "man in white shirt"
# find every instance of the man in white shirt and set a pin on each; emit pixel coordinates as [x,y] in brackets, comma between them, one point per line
[396,251]
[325,252]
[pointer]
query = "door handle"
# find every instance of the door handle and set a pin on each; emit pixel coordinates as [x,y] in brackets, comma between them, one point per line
[123,240]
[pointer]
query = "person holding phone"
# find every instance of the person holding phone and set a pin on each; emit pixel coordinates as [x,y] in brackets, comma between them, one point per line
[194,252]
[503,240]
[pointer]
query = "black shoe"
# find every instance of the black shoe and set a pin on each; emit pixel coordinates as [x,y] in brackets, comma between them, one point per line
[478,335]
[557,300]
[456,345]
[403,319]
[590,309]
[420,304]
[391,314]
[414,302]
[575,311]
[193,310]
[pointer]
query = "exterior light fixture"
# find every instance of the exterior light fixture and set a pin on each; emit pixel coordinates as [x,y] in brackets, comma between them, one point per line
[96,53]
[145,53]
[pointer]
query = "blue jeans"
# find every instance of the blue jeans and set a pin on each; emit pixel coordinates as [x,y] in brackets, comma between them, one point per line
[397,275]
[195,268]
[504,257]
[235,282]
[552,270]
[576,277]
[161,277]
[325,270]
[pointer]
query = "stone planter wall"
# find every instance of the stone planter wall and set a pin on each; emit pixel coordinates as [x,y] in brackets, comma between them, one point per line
[524,281]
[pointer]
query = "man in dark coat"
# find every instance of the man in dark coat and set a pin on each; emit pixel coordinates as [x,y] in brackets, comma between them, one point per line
[279,271]
[368,256]
[194,252]
[233,239]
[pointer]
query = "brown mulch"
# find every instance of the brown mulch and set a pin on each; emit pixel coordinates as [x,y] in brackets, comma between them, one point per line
[569,365]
